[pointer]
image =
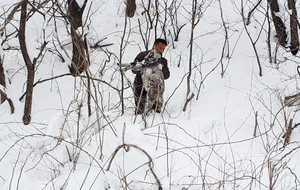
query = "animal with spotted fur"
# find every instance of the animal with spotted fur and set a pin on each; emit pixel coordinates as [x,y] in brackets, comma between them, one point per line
[141,96]
[153,79]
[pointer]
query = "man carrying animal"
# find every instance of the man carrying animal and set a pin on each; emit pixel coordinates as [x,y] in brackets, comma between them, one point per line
[152,92]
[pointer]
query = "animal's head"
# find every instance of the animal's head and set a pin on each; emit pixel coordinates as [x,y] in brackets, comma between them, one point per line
[152,57]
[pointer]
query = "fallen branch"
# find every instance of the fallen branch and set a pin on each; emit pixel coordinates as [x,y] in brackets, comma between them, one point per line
[99,45]
[63,75]
[150,161]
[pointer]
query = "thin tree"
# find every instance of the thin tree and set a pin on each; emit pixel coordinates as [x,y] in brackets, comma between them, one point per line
[79,61]
[3,95]
[246,22]
[2,79]
[30,65]
[174,20]
[294,27]
[194,22]
[130,8]
[278,23]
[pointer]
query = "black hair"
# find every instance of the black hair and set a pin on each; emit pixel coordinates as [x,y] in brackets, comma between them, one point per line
[160,40]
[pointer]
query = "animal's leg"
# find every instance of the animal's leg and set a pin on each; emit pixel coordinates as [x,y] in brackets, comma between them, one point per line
[140,96]
[159,103]
[151,97]
[159,98]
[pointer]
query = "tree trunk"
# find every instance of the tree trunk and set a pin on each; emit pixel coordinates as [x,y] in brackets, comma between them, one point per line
[279,24]
[10,102]
[294,27]
[3,95]
[28,63]
[2,79]
[188,79]
[130,8]
[79,61]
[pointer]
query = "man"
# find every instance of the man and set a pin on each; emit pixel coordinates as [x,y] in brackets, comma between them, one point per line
[140,94]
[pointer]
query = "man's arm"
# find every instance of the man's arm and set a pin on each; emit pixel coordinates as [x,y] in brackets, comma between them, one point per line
[165,68]
[140,57]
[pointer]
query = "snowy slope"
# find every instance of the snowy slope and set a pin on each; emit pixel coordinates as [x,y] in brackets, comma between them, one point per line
[212,145]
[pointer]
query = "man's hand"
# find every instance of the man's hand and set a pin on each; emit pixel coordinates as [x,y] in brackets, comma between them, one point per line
[160,66]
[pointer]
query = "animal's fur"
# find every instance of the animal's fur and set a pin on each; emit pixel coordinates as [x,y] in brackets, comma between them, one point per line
[153,83]
[153,80]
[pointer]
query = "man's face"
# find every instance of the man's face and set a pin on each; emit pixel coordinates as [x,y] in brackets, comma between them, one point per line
[160,48]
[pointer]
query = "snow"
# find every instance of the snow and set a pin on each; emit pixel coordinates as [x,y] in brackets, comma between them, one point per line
[230,136]
[80,2]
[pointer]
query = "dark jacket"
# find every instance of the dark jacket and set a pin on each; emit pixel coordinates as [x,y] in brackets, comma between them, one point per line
[138,81]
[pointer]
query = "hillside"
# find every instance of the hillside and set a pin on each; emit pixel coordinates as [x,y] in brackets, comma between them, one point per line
[83,133]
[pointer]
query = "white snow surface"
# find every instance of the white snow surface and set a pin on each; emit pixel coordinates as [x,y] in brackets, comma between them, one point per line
[229,137]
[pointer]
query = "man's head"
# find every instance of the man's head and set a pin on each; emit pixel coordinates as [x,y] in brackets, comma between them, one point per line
[160,45]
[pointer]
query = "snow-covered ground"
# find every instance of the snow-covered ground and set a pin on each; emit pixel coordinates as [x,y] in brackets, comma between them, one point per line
[230,136]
